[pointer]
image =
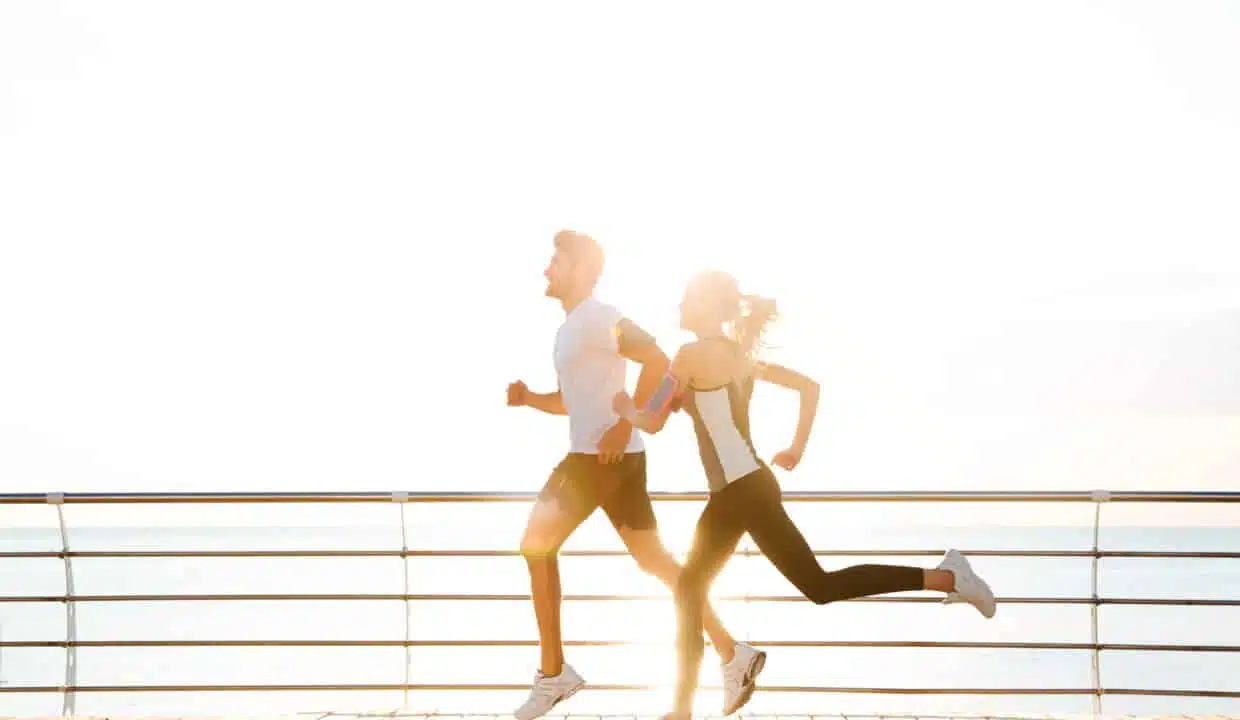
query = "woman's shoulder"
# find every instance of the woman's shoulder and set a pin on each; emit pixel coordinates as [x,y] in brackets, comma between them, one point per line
[703,351]
[687,357]
[708,362]
[698,360]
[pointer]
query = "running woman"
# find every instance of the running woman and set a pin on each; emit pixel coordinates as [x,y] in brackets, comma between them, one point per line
[605,467]
[712,379]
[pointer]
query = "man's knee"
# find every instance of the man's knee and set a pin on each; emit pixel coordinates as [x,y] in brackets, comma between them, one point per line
[537,548]
[540,543]
[545,532]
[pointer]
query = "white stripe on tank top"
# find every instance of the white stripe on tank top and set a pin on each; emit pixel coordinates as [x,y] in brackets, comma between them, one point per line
[735,456]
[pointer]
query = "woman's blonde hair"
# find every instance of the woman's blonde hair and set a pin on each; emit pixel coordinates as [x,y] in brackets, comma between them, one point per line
[747,315]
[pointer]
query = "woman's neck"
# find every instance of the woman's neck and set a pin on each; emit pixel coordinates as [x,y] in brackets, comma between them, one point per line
[710,333]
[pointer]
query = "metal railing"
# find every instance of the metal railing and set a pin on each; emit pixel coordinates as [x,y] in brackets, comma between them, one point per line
[70,688]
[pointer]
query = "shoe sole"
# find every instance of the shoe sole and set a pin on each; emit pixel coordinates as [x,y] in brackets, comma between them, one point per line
[751,683]
[562,698]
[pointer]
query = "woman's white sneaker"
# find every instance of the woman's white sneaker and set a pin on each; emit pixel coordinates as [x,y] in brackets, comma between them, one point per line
[969,587]
[740,677]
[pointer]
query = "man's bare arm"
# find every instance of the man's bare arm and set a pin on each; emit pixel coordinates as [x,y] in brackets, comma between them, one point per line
[551,403]
[639,346]
[651,417]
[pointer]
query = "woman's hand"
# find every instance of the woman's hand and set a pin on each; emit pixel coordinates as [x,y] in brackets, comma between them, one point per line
[788,459]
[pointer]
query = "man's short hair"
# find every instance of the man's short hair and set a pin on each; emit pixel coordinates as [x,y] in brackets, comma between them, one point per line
[583,251]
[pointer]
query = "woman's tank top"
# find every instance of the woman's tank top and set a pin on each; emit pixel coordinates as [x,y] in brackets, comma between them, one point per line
[721,423]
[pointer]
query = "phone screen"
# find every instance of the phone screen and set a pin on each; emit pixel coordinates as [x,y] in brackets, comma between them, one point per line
[663,394]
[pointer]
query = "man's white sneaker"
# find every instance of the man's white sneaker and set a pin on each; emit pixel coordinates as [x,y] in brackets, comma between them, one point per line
[740,677]
[549,692]
[969,587]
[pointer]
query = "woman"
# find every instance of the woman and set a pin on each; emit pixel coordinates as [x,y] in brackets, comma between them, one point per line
[712,378]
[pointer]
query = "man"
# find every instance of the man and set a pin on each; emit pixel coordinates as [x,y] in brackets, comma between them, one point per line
[605,467]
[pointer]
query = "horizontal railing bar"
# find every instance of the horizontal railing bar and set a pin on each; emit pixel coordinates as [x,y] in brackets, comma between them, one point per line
[807,689]
[1157,554]
[142,554]
[929,644]
[770,715]
[489,496]
[1173,693]
[776,715]
[463,687]
[598,598]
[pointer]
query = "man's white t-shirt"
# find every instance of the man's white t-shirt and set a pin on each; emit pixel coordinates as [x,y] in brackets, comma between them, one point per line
[591,371]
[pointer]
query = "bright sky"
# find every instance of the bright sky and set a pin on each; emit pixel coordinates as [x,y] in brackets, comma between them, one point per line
[298,245]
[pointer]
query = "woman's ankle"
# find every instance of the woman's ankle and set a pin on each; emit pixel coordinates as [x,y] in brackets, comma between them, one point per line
[939,580]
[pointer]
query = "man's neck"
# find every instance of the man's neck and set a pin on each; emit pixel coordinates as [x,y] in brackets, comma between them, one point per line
[570,302]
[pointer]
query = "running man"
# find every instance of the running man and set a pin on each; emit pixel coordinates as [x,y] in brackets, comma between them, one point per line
[605,467]
[712,378]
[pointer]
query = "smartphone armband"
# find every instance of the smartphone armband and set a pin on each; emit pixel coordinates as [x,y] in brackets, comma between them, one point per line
[663,396]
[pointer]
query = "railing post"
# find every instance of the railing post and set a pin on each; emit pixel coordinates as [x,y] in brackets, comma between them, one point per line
[401,499]
[1099,497]
[58,500]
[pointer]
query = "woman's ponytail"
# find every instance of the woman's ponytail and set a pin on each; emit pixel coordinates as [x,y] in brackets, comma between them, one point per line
[756,313]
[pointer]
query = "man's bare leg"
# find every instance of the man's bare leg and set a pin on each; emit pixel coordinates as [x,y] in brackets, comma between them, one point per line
[652,557]
[546,593]
[548,527]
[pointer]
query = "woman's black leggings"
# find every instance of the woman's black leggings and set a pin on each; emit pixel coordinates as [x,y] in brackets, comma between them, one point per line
[754,504]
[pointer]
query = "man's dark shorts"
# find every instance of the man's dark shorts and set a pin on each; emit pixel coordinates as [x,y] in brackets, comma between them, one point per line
[579,484]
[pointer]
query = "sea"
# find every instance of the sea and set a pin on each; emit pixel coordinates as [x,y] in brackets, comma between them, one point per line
[646,626]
